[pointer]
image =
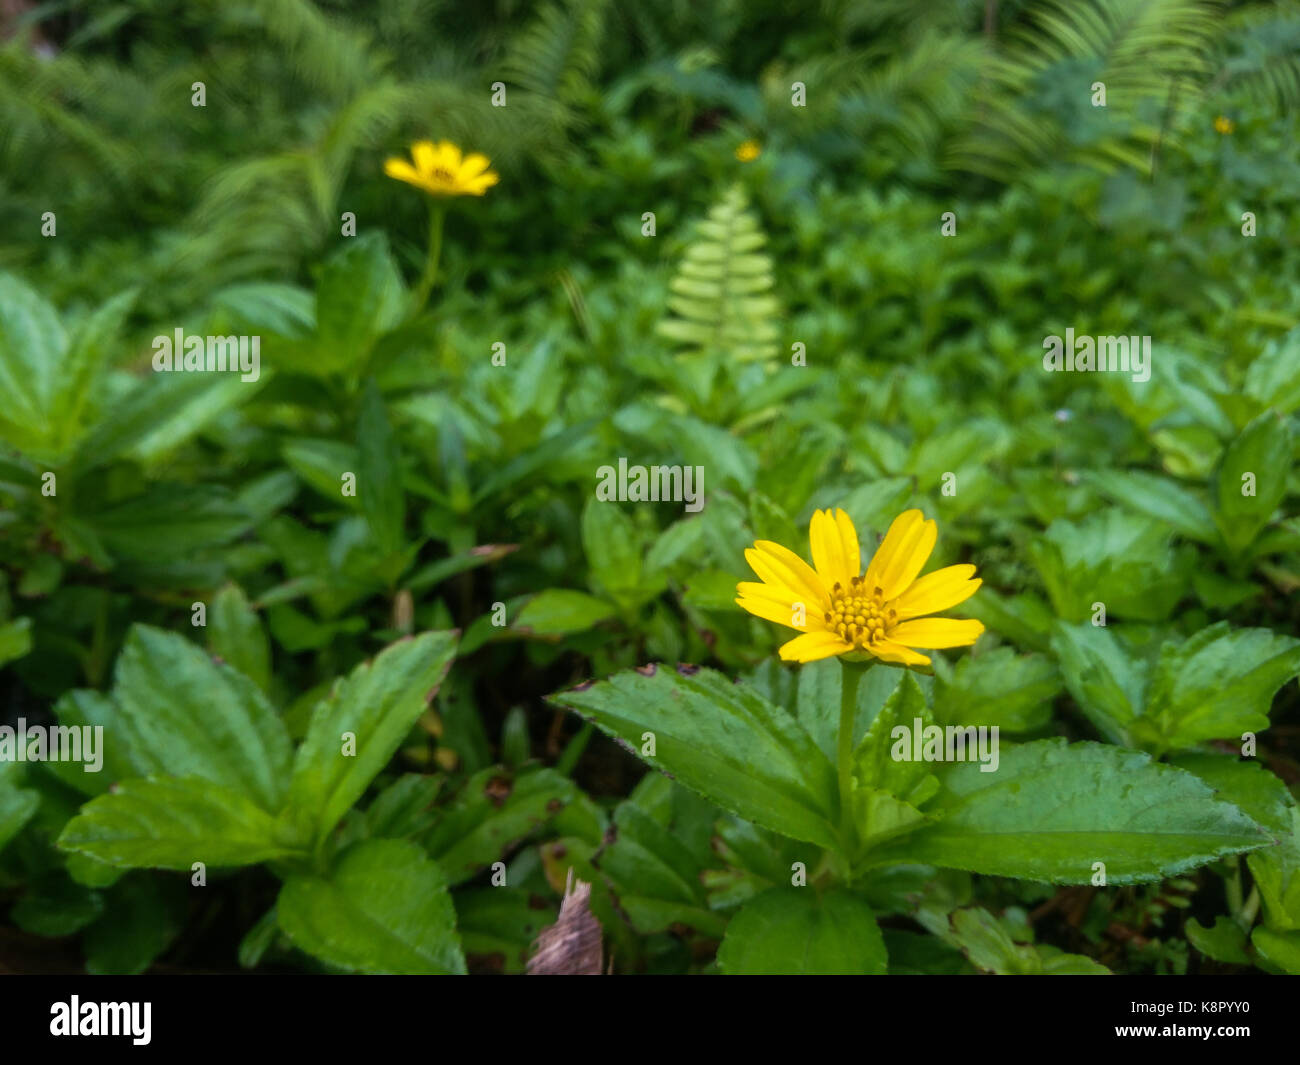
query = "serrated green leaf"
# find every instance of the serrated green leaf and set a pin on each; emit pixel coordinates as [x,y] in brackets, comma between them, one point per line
[171,823]
[384,908]
[492,813]
[791,931]
[379,474]
[236,635]
[1252,479]
[722,740]
[185,715]
[560,611]
[1219,683]
[376,705]
[1052,810]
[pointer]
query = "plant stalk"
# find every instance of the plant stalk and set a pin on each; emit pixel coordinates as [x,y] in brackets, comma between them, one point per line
[851,674]
[437,215]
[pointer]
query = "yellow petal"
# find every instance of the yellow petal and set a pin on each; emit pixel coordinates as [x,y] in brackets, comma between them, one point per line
[782,567]
[813,646]
[901,555]
[940,590]
[475,163]
[771,610]
[425,156]
[935,633]
[479,185]
[402,171]
[849,541]
[449,156]
[898,654]
[836,560]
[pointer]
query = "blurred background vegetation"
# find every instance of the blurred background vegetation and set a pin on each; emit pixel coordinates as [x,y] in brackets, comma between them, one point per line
[923,351]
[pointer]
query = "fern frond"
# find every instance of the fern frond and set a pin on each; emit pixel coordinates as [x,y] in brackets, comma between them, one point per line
[1154,58]
[558,54]
[1261,56]
[722,303]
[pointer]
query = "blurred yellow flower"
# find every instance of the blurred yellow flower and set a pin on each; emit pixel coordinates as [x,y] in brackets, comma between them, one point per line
[877,615]
[441,170]
[1223,124]
[748,151]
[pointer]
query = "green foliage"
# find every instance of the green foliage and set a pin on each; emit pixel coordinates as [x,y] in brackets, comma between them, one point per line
[722,306]
[317,615]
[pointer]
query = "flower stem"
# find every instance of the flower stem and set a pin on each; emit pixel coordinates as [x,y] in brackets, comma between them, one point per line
[437,213]
[851,674]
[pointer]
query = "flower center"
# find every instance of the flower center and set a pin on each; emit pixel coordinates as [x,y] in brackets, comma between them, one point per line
[859,615]
[442,175]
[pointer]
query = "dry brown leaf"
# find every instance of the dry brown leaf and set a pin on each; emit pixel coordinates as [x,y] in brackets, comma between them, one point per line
[571,946]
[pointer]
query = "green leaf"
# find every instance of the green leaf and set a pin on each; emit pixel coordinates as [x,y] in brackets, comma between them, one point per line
[15,639]
[47,377]
[17,807]
[791,931]
[1107,684]
[613,550]
[1053,809]
[161,412]
[1247,785]
[998,687]
[1252,479]
[81,708]
[722,740]
[170,522]
[376,704]
[32,346]
[258,940]
[1280,949]
[990,945]
[236,636]
[1113,557]
[437,572]
[359,296]
[1274,377]
[1277,875]
[1219,683]
[877,762]
[492,813]
[88,353]
[270,307]
[171,823]
[1158,497]
[322,464]
[818,701]
[185,715]
[501,923]
[874,504]
[379,474]
[656,875]
[145,914]
[405,807]
[1225,941]
[56,906]
[560,611]
[544,454]
[383,909]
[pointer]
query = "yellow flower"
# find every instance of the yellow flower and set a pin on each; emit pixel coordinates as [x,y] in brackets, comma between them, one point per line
[1223,124]
[878,614]
[441,170]
[748,151]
